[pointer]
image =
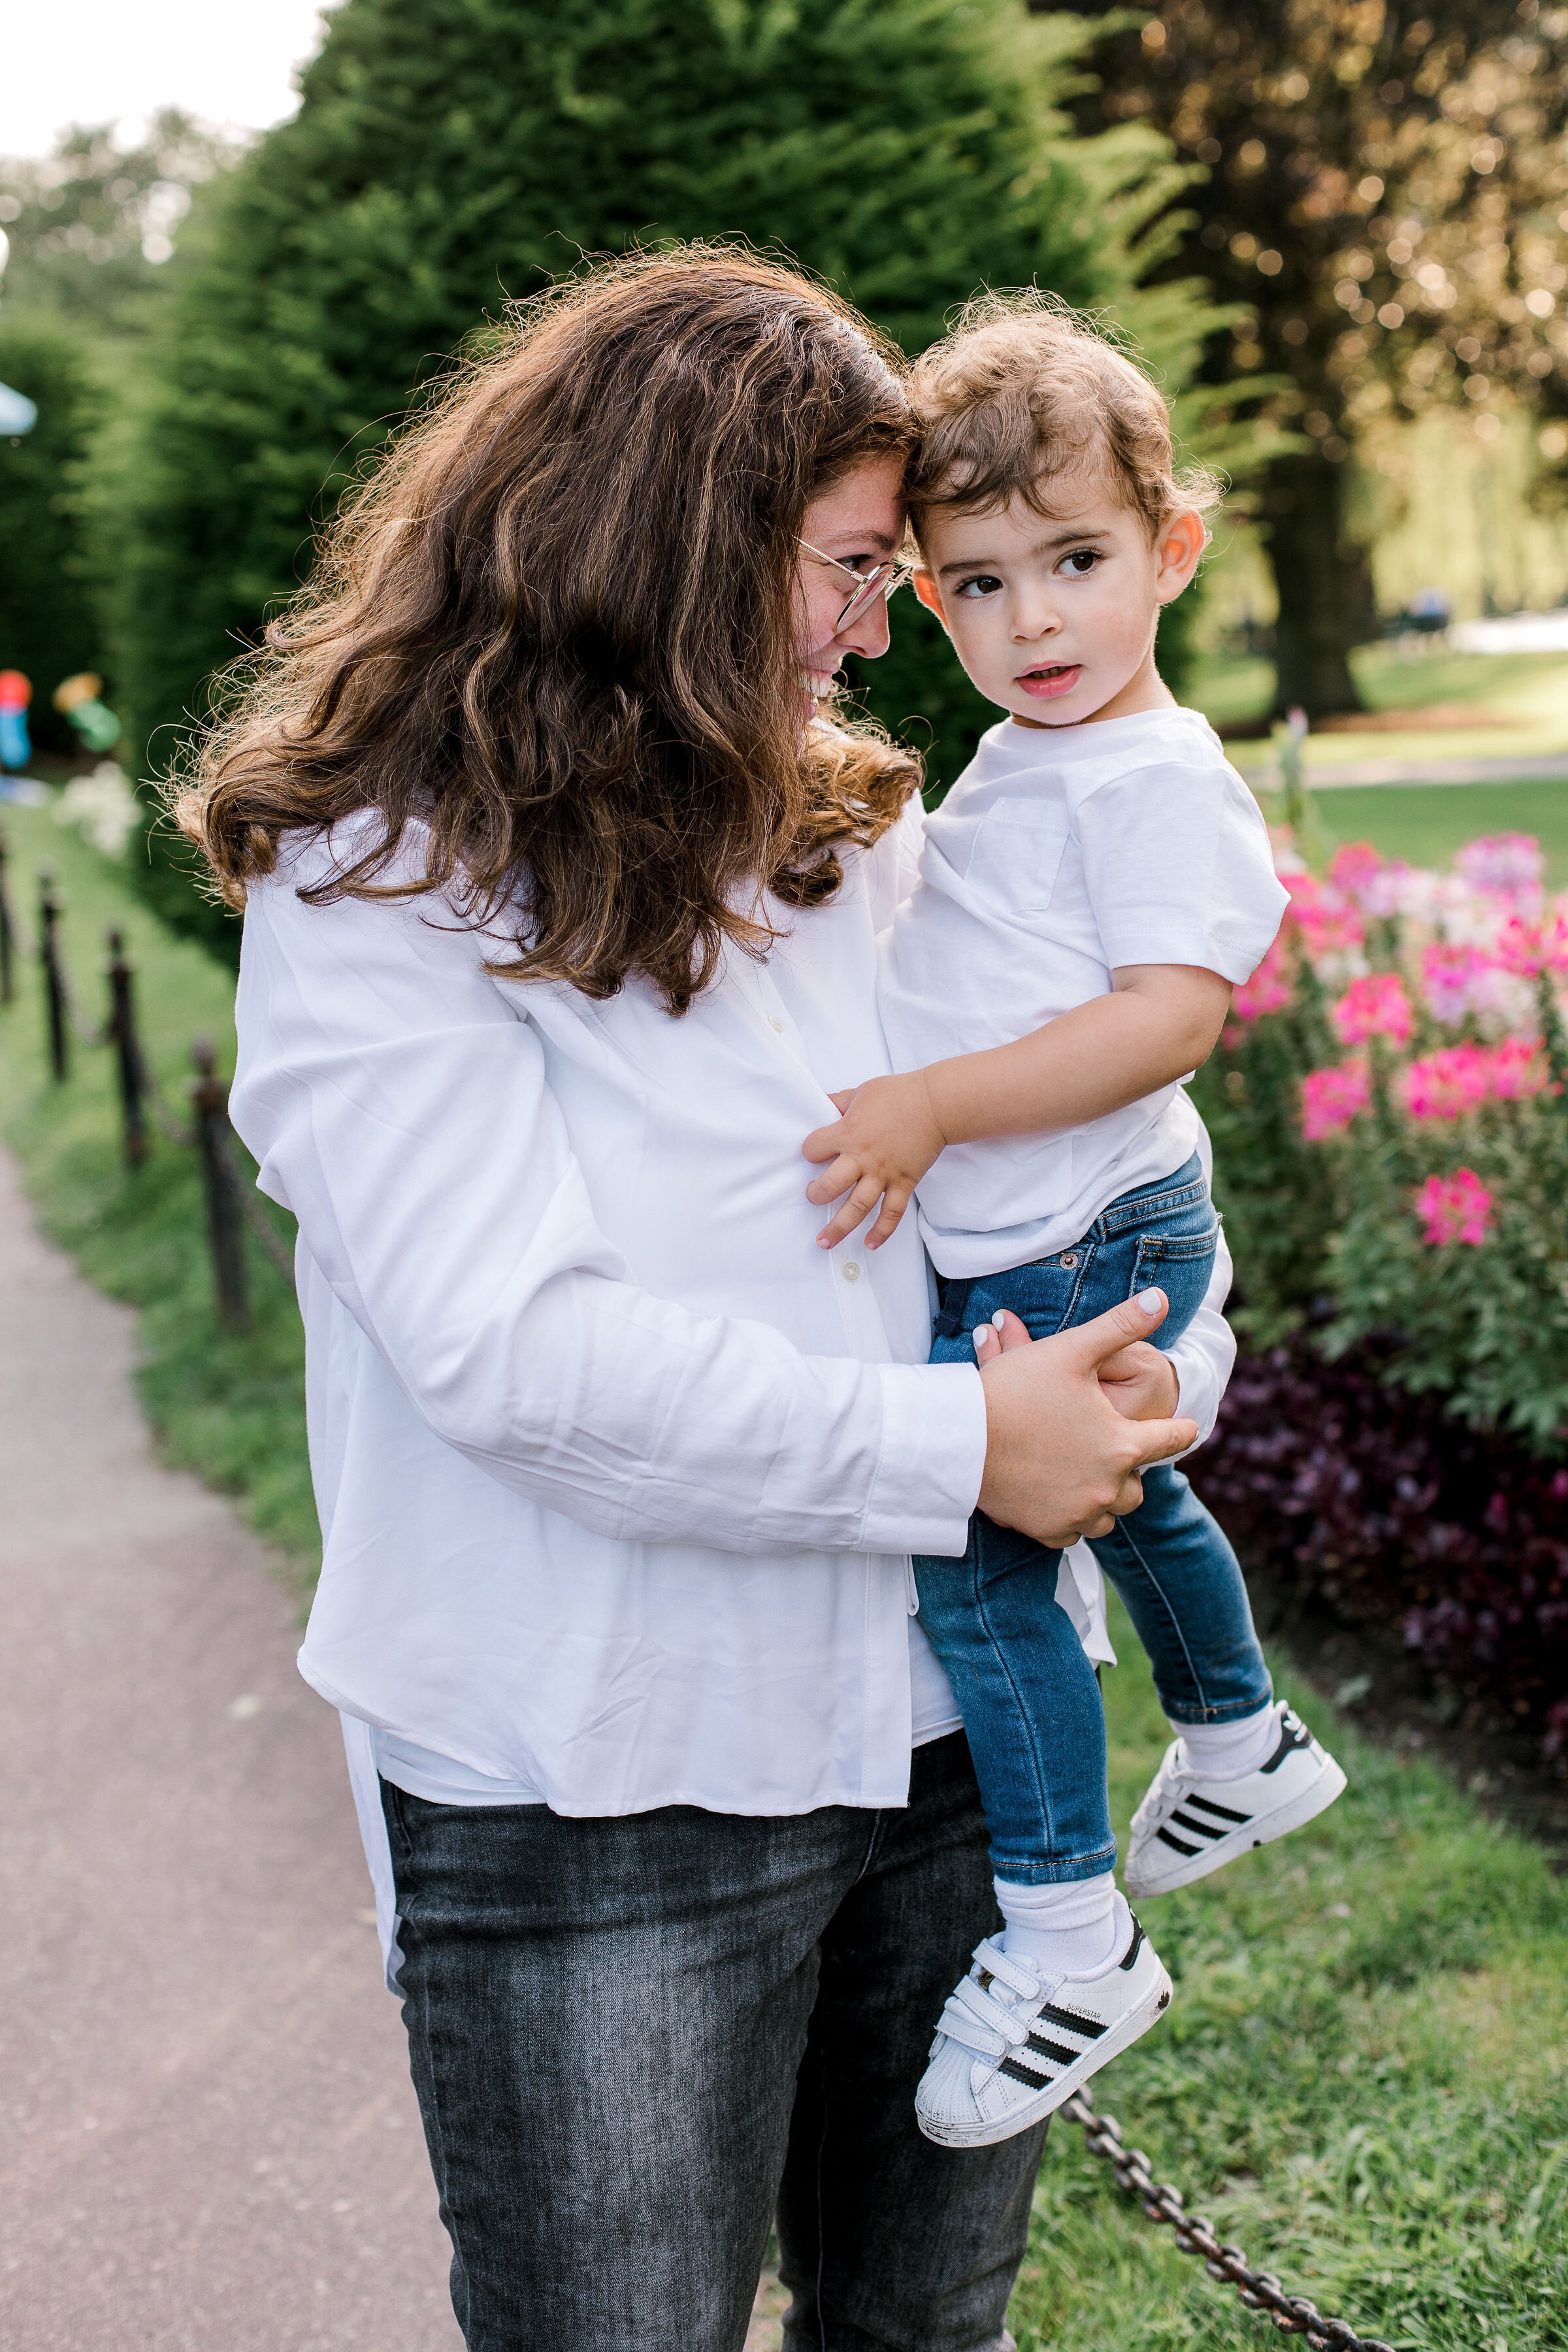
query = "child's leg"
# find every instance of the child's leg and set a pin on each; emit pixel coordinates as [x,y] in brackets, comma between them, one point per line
[1030,1705]
[1183,1588]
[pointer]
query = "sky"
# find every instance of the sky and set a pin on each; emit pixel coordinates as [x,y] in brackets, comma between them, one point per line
[230,61]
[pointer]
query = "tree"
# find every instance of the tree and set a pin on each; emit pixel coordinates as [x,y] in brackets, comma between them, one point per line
[450,155]
[48,625]
[90,226]
[1384,179]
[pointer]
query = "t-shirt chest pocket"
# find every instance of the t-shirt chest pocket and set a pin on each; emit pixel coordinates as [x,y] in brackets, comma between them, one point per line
[1017,856]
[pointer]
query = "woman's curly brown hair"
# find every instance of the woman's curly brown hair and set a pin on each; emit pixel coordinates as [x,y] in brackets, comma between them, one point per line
[554,623]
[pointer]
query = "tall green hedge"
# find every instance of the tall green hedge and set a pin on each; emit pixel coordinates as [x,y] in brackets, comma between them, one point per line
[48,624]
[451,155]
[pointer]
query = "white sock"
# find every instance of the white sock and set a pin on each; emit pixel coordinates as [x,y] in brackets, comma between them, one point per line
[1070,1928]
[1228,1751]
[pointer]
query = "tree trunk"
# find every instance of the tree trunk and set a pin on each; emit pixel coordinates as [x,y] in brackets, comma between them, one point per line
[1325,582]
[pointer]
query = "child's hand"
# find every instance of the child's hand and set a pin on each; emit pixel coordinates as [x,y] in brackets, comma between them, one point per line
[1140,1382]
[879,1149]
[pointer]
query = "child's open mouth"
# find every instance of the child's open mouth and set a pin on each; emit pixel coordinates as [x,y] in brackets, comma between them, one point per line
[1051,677]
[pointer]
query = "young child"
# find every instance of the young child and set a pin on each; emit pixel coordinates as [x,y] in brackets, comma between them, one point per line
[1091,890]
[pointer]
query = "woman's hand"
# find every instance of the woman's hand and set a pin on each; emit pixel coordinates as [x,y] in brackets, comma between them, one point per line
[1139,1382]
[880,1147]
[1061,1459]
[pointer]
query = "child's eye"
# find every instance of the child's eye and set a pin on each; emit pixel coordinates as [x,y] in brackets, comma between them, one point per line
[1080,563]
[980,583]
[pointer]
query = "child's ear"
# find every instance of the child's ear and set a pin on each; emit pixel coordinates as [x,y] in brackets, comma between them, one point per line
[1180,545]
[926,588]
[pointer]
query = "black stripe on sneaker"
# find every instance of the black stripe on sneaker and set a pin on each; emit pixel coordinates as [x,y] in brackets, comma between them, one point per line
[1090,2027]
[1054,2050]
[1198,1829]
[1136,1946]
[1166,1838]
[1292,1735]
[1026,2074]
[1221,1813]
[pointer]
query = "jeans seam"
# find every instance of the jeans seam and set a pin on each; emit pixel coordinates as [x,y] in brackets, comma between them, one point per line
[1131,1541]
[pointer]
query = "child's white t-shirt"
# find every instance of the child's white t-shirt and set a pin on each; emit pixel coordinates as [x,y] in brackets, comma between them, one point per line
[1056,858]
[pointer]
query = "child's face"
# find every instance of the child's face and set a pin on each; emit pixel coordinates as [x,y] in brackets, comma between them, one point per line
[1054,616]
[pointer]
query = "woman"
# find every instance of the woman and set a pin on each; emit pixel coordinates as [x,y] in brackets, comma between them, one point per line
[560,911]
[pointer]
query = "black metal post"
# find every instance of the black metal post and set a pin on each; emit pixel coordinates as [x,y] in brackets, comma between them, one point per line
[128,1053]
[7,936]
[54,984]
[209,1097]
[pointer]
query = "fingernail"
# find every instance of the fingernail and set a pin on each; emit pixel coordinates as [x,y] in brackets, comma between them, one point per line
[978,1334]
[997,1318]
[1150,1301]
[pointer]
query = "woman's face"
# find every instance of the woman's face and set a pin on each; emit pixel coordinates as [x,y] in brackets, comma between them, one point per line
[859,521]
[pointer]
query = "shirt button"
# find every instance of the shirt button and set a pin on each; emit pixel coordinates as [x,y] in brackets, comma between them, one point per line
[851,1272]
[775,1021]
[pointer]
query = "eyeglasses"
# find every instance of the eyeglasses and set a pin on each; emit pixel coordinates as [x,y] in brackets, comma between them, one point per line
[882,580]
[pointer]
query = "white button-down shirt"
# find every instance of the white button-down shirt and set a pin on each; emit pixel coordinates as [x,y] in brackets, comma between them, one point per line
[618,1472]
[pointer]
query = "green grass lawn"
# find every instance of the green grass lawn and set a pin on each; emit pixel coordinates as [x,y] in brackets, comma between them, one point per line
[1363,2081]
[1521,700]
[232,1410]
[1426,824]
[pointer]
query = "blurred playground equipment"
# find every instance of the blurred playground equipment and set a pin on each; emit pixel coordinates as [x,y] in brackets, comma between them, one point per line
[78,701]
[16,744]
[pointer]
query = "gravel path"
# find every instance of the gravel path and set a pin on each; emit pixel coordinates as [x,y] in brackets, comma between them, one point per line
[210,2143]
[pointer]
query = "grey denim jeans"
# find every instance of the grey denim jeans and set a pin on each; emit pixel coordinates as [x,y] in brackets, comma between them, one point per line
[635,2040]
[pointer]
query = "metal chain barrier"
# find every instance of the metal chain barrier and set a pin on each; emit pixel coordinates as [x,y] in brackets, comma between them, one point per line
[251,1210]
[230,1190]
[1292,2314]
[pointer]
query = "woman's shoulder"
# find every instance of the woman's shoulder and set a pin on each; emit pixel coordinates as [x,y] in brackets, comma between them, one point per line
[341,895]
[314,858]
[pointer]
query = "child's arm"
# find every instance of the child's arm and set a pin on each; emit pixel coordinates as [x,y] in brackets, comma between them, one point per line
[1162,1021]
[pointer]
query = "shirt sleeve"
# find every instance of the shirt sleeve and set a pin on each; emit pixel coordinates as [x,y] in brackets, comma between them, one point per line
[398,1107]
[1205,1355]
[1178,868]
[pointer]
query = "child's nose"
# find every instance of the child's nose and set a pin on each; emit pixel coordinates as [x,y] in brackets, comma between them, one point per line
[1036,616]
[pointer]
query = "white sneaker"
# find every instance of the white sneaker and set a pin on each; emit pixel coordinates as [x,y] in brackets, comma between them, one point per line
[1012,2045]
[1190,1823]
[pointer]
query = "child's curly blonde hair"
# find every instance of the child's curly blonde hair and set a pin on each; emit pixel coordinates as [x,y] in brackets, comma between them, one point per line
[1024,388]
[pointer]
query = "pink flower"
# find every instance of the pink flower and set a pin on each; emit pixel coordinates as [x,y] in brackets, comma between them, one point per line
[1460,1078]
[1517,1069]
[1374,1006]
[1530,949]
[1326,917]
[1353,867]
[1508,864]
[1268,990]
[1449,979]
[1447,1084]
[1376,885]
[1455,1208]
[1331,1098]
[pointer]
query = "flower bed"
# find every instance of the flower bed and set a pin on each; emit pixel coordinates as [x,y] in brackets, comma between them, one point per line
[1390,1129]
[1391,1135]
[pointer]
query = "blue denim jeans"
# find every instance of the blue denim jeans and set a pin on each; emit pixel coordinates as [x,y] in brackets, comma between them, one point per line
[636,2041]
[1029,1696]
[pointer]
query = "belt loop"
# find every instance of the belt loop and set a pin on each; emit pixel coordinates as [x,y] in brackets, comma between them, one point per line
[954,1297]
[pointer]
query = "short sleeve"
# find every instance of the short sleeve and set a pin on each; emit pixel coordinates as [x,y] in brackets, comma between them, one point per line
[1178,868]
